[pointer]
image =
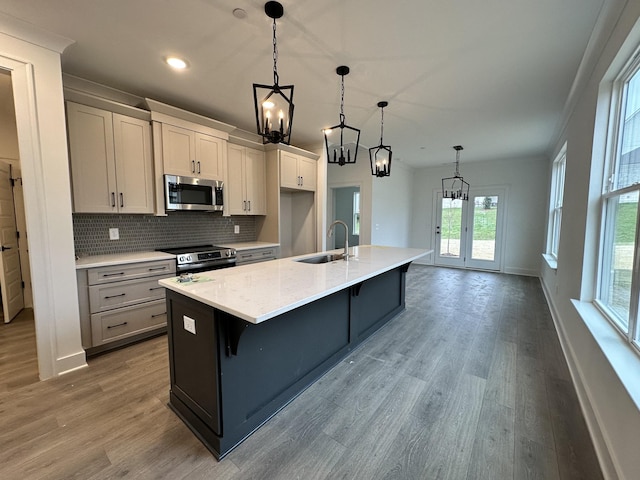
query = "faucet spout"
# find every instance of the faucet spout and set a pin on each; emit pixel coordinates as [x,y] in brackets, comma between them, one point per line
[346,236]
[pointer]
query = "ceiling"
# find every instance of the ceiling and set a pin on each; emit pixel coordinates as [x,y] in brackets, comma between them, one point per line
[492,76]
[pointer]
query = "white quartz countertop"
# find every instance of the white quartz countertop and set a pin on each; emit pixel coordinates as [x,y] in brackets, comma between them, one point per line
[260,291]
[120,258]
[240,246]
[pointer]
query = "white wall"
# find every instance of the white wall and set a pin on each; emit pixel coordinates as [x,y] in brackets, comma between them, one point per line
[526,181]
[611,413]
[37,88]
[392,207]
[359,175]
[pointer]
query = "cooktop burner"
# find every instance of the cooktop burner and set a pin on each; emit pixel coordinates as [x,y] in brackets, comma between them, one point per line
[196,249]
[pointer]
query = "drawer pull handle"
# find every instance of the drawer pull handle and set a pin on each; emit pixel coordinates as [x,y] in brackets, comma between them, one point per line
[249,255]
[151,289]
[158,315]
[118,325]
[157,268]
[266,253]
[112,274]
[115,296]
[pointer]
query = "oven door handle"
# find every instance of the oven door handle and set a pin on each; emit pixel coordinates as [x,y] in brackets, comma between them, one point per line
[191,267]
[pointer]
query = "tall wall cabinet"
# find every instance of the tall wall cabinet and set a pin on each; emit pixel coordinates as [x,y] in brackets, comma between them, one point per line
[291,200]
[111,161]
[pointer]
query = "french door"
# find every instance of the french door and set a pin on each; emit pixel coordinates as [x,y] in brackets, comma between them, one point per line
[469,234]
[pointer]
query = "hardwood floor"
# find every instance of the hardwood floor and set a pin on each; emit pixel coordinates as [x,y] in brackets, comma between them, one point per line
[468,383]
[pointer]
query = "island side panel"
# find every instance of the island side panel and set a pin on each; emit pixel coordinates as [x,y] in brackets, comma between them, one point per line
[193,358]
[375,302]
[276,360]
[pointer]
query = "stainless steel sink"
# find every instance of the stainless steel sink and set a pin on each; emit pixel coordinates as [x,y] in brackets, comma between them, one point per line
[324,258]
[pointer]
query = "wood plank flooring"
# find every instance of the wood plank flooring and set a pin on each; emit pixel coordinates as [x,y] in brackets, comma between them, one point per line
[468,383]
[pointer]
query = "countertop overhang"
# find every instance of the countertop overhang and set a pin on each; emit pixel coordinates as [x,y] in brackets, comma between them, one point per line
[261,291]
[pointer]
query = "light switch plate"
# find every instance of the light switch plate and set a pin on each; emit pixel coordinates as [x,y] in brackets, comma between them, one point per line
[189,324]
[114,234]
[236,229]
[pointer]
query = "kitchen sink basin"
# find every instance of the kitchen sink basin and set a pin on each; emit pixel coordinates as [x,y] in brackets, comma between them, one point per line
[325,258]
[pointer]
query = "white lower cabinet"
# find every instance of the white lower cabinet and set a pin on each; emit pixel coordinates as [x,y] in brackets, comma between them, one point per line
[122,303]
[255,255]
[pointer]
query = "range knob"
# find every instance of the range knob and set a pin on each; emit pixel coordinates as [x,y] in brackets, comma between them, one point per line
[228,253]
[184,258]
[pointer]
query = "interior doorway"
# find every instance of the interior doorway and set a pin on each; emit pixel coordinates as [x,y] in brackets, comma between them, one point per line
[469,233]
[346,207]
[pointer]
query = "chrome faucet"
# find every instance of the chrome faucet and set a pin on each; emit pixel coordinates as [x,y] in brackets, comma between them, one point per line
[346,236]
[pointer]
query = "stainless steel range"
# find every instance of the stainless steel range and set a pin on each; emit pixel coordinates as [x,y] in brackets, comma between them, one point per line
[202,258]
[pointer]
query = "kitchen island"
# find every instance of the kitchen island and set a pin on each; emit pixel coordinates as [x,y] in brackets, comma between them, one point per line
[245,341]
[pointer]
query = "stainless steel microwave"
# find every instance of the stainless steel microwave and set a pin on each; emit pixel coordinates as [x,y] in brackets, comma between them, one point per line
[190,193]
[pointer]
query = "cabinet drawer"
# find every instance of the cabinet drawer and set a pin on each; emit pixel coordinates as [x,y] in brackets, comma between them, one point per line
[125,322]
[256,255]
[115,273]
[120,294]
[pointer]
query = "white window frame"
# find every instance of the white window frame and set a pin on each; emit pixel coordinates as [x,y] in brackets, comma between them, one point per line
[610,193]
[356,213]
[555,203]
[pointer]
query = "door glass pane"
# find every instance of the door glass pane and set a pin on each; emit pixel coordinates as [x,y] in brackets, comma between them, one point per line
[621,222]
[450,228]
[485,210]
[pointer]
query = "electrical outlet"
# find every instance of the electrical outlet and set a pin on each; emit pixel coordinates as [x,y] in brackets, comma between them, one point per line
[189,324]
[236,229]
[114,234]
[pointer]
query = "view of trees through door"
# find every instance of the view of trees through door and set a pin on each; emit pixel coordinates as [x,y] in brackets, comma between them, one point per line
[468,233]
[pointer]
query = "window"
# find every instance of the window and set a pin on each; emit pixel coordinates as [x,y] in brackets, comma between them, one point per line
[618,286]
[356,213]
[555,203]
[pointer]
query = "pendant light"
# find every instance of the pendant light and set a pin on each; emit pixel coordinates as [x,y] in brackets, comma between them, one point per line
[342,140]
[380,156]
[455,187]
[274,103]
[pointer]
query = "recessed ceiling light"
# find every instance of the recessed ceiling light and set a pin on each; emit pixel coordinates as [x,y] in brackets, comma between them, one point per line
[239,13]
[177,63]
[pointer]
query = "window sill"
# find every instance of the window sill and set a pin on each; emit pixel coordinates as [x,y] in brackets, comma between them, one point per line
[552,262]
[620,354]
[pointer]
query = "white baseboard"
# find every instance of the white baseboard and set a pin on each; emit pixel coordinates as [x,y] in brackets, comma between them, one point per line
[70,363]
[597,436]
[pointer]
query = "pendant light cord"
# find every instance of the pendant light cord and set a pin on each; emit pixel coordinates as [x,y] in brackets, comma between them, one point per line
[275,55]
[342,118]
[457,163]
[381,123]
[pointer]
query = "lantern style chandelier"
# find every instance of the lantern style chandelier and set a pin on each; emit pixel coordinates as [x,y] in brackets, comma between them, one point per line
[380,156]
[274,104]
[342,140]
[455,187]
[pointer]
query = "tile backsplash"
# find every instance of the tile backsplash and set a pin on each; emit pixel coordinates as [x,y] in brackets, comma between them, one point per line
[146,232]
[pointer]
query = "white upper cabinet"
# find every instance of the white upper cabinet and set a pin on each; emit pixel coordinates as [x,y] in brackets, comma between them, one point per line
[111,161]
[246,185]
[193,154]
[297,172]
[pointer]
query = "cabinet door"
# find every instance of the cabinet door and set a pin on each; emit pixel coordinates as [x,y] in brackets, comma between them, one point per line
[132,142]
[307,174]
[93,171]
[178,150]
[209,156]
[235,187]
[289,177]
[256,182]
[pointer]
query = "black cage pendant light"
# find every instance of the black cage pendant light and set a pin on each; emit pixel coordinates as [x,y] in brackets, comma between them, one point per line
[342,140]
[274,103]
[380,156]
[455,187]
